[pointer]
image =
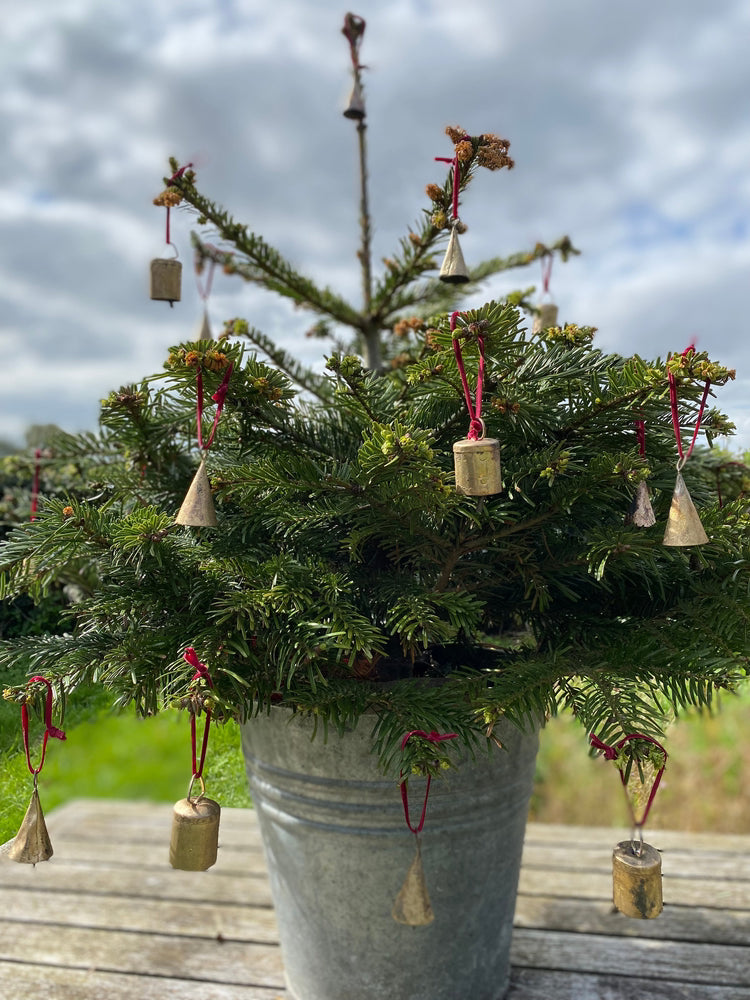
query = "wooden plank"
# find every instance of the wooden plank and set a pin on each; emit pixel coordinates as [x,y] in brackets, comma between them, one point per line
[206,918]
[682,962]
[199,958]
[582,836]
[45,982]
[541,984]
[104,852]
[676,923]
[693,864]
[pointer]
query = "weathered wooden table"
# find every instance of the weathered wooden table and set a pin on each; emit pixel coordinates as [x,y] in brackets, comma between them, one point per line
[108,918]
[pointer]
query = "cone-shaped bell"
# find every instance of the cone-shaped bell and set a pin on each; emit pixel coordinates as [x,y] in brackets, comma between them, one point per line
[198,506]
[454,269]
[641,513]
[683,524]
[204,329]
[356,106]
[412,905]
[32,843]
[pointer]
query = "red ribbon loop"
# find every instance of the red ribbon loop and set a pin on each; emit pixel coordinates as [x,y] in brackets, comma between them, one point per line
[218,397]
[49,729]
[201,673]
[433,737]
[690,349]
[610,753]
[476,426]
[546,272]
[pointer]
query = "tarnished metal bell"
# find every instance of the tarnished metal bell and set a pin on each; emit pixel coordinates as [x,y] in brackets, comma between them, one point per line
[454,270]
[477,466]
[198,506]
[683,524]
[166,279]
[412,905]
[195,834]
[32,843]
[356,106]
[636,880]
[641,513]
[545,318]
[204,328]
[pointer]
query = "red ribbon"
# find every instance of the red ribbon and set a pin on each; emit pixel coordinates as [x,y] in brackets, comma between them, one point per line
[218,397]
[610,753]
[640,431]
[433,737]
[476,426]
[353,30]
[201,673]
[49,729]
[546,272]
[675,416]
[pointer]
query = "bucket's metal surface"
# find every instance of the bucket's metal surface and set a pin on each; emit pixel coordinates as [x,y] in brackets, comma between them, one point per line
[338,848]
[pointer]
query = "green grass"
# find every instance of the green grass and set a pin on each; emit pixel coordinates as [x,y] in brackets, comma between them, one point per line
[706,785]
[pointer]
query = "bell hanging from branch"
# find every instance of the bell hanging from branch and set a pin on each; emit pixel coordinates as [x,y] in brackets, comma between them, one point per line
[477,467]
[412,906]
[356,107]
[32,843]
[545,317]
[636,880]
[683,524]
[454,270]
[197,508]
[194,843]
[641,513]
[204,328]
[166,279]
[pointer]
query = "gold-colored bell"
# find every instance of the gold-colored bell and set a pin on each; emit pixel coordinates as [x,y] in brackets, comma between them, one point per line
[198,506]
[636,880]
[412,905]
[683,524]
[194,844]
[454,270]
[544,318]
[166,279]
[204,328]
[32,843]
[641,513]
[477,466]
[356,106]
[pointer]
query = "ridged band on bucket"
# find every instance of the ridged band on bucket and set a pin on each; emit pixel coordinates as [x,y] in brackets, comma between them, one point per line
[338,850]
[636,880]
[477,467]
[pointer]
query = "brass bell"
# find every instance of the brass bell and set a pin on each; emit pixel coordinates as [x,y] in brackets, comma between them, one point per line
[454,270]
[32,843]
[477,466]
[683,524]
[198,506]
[194,844]
[544,318]
[412,905]
[641,513]
[166,278]
[356,106]
[636,880]
[204,329]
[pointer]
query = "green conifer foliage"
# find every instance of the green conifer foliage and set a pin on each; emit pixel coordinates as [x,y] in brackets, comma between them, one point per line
[347,575]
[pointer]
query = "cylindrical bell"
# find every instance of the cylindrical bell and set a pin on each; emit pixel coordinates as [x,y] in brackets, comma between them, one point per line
[195,834]
[477,465]
[641,513]
[166,278]
[545,317]
[198,506]
[454,270]
[32,843]
[356,106]
[636,880]
[683,524]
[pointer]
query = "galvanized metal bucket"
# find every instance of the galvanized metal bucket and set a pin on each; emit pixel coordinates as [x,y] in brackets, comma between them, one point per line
[338,850]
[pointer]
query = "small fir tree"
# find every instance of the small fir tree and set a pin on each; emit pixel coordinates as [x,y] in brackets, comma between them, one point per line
[346,574]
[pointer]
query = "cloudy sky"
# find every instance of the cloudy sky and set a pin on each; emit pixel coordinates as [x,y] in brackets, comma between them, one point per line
[629,125]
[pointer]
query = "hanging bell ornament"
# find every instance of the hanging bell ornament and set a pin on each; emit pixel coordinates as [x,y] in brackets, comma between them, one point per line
[412,905]
[198,508]
[636,880]
[683,524]
[641,513]
[204,329]
[195,832]
[356,106]
[477,467]
[31,843]
[545,317]
[166,278]
[454,270]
